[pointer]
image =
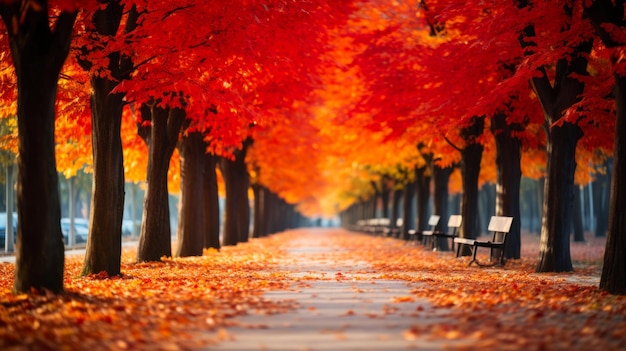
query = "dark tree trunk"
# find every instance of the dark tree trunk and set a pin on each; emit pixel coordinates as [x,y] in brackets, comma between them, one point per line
[577,219]
[243,205]
[384,197]
[395,209]
[270,205]
[104,246]
[155,238]
[38,54]
[556,94]
[408,213]
[601,198]
[211,204]
[558,199]
[375,200]
[509,176]
[191,225]
[561,154]
[538,209]
[613,277]
[471,156]
[233,181]
[441,178]
[423,197]
[257,223]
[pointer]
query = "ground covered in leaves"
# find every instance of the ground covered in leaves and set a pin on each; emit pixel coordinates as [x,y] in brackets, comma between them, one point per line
[189,303]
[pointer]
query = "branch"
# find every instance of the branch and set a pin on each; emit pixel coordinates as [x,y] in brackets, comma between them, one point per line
[174,10]
[452,144]
[543,89]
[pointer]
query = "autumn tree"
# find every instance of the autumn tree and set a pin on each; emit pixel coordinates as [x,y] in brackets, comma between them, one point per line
[562,135]
[609,23]
[39,48]
[107,67]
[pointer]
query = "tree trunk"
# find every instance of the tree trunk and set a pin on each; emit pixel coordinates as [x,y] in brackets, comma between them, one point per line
[211,204]
[155,238]
[558,199]
[613,277]
[104,246]
[395,209]
[441,178]
[9,236]
[601,198]
[423,198]
[471,156]
[408,213]
[257,220]
[231,227]
[243,200]
[509,175]
[577,219]
[191,225]
[384,196]
[38,54]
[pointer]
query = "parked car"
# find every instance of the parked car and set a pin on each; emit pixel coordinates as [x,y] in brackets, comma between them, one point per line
[3,228]
[81,230]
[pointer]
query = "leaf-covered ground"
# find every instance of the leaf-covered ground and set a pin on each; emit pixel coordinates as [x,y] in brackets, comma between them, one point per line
[190,303]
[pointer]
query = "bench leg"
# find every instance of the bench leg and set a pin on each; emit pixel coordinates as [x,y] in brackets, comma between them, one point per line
[474,251]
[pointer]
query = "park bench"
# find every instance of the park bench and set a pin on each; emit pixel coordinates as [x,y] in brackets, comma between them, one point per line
[500,227]
[394,231]
[454,223]
[372,225]
[433,222]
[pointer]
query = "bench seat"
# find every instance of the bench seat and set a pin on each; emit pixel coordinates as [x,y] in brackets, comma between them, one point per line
[500,226]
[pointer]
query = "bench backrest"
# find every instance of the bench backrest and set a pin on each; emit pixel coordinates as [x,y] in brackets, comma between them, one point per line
[454,223]
[500,226]
[433,221]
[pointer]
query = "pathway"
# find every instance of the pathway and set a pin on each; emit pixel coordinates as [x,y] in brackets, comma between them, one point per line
[342,305]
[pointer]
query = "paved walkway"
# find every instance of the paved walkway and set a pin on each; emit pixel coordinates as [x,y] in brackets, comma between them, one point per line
[348,309]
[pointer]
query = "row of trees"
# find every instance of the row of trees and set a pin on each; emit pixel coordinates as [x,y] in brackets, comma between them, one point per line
[474,84]
[313,103]
[195,76]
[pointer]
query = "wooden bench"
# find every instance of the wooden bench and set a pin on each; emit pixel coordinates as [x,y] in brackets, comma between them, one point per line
[454,223]
[394,231]
[433,222]
[372,225]
[500,226]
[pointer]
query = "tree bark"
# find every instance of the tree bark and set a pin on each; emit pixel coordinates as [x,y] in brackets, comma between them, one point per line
[577,218]
[423,198]
[408,213]
[231,226]
[384,196]
[257,220]
[395,208]
[211,204]
[155,238]
[441,178]
[601,198]
[613,277]
[558,199]
[104,246]
[509,175]
[38,54]
[471,156]
[191,225]
[561,155]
